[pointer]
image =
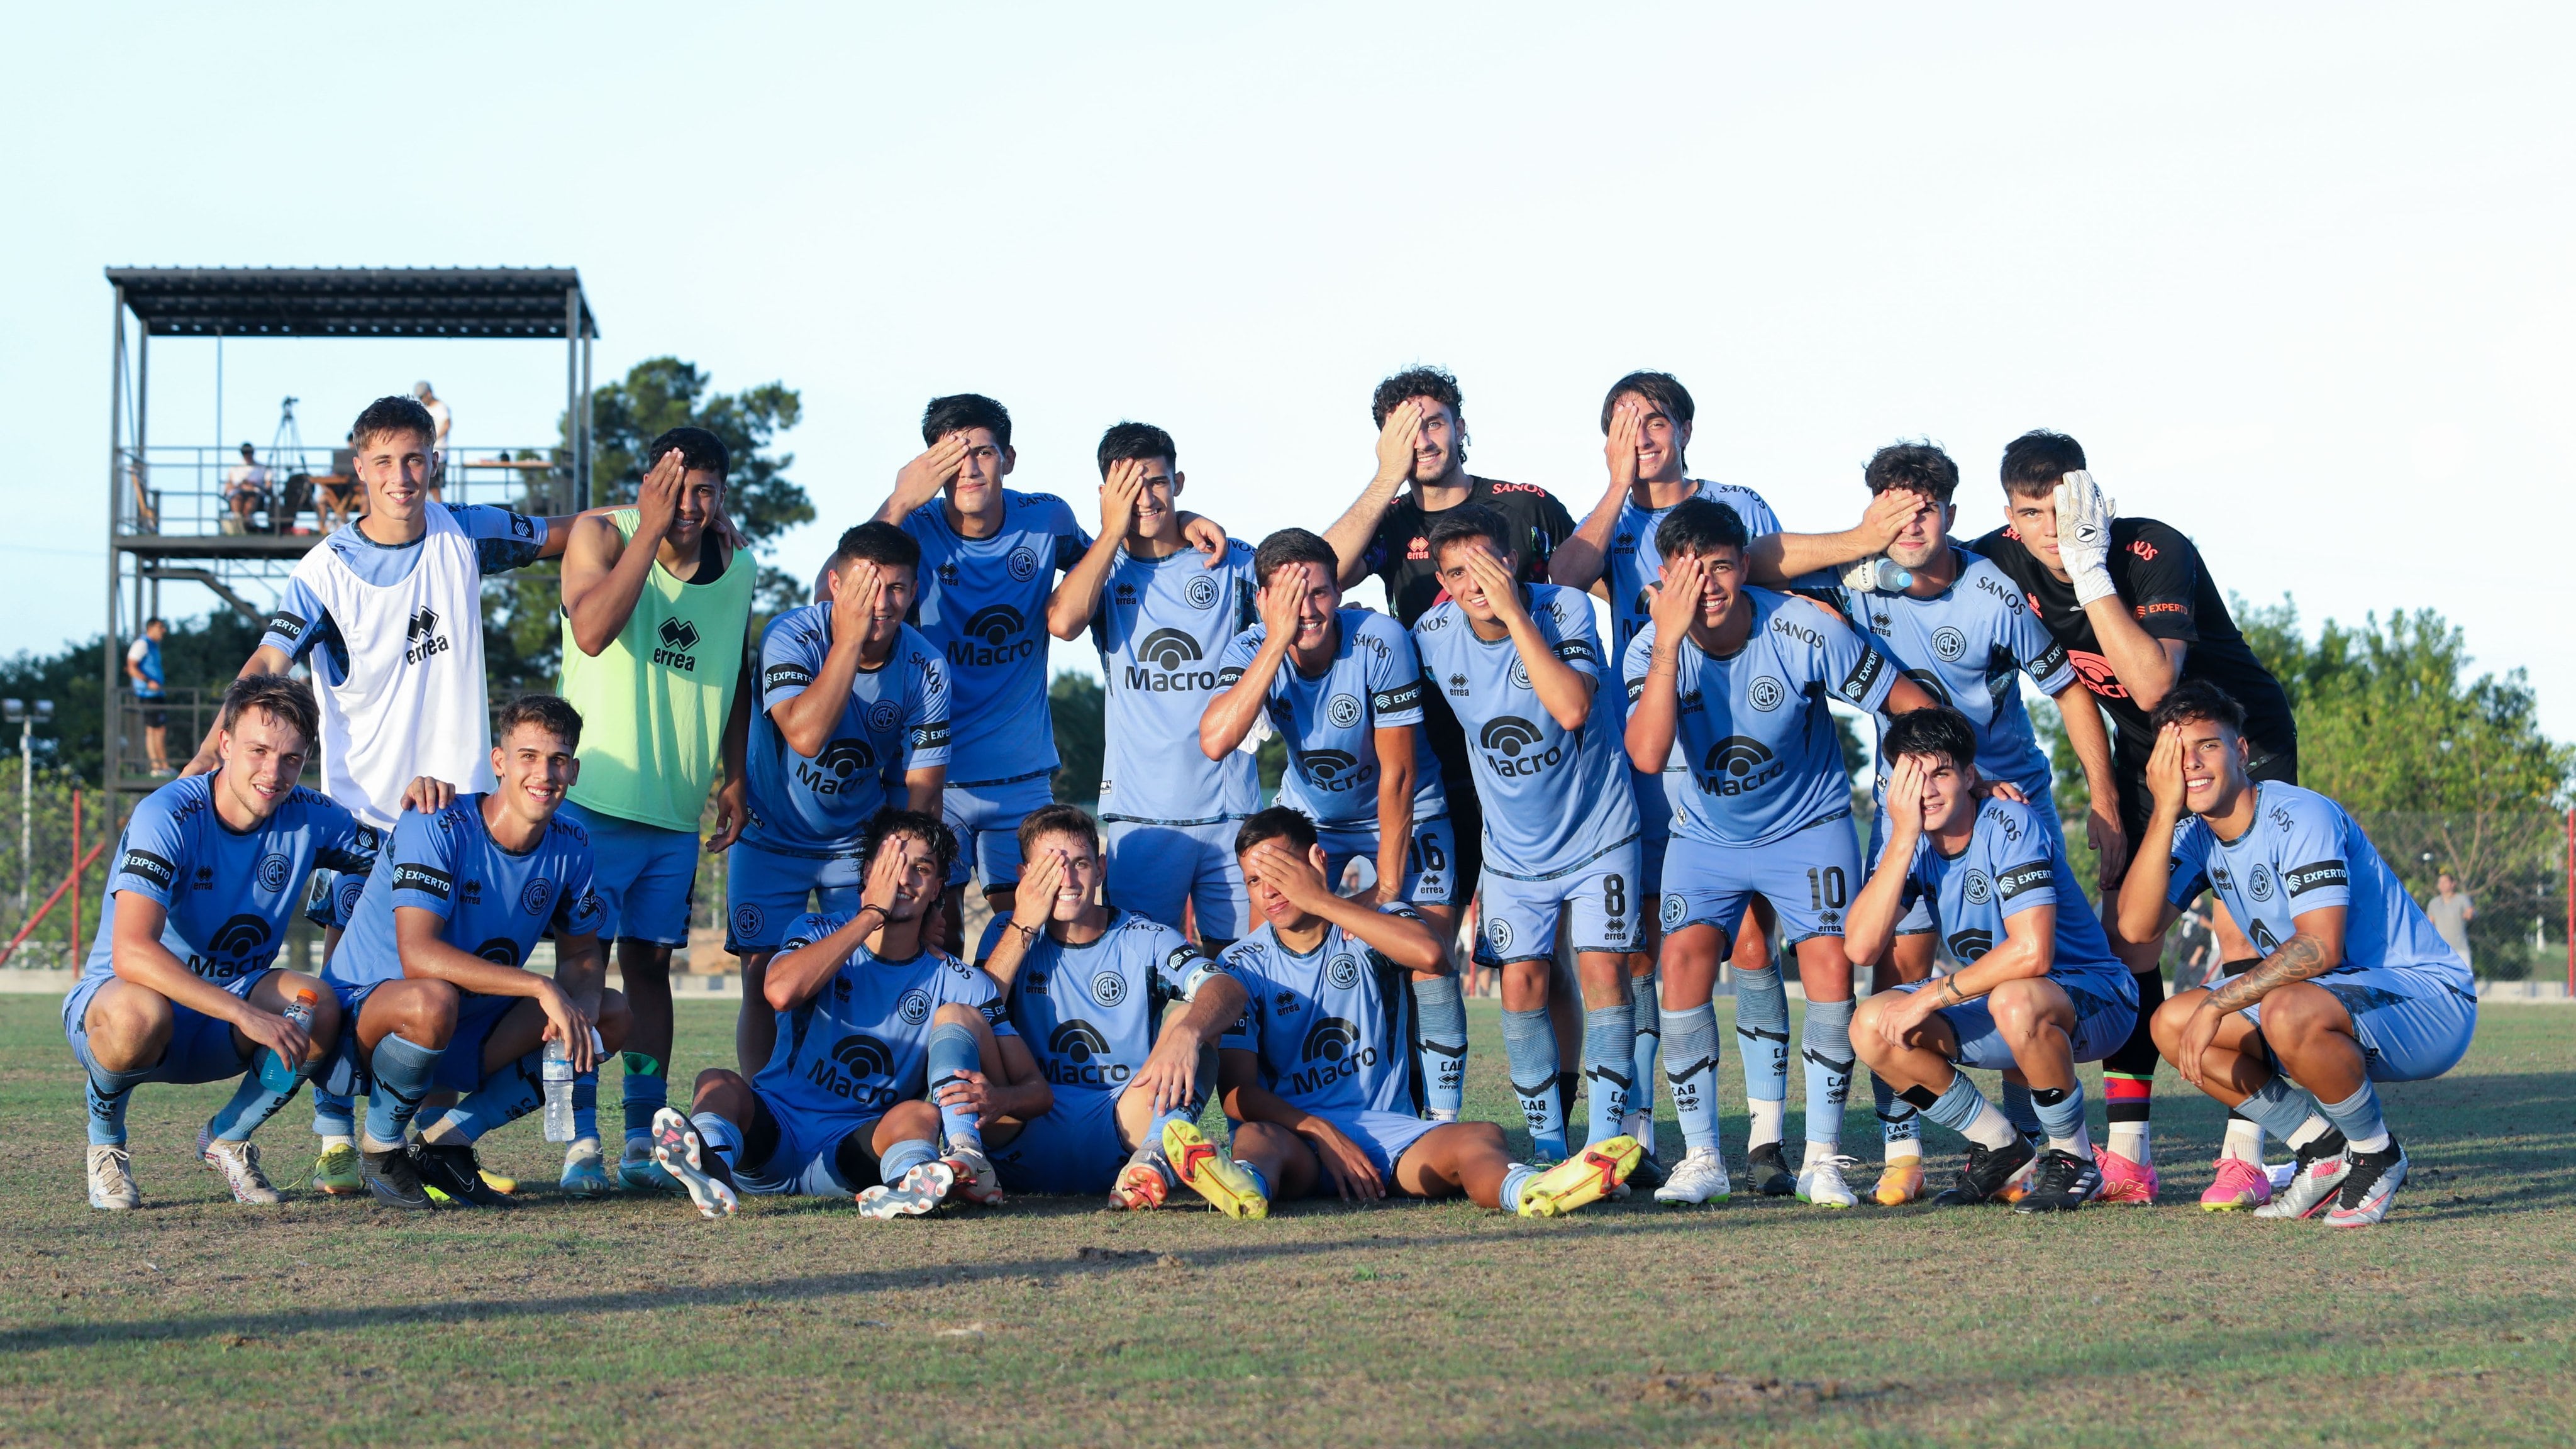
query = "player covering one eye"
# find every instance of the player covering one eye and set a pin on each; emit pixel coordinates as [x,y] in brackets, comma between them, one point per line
[2354,985]
[2040,992]
[1088,986]
[886,1045]
[1736,678]
[1316,1076]
[1344,687]
[178,986]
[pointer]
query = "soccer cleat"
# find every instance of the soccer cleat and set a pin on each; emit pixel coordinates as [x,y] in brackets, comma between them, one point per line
[239,1163]
[1206,1170]
[1765,1174]
[2065,1182]
[1700,1177]
[2124,1182]
[2240,1185]
[976,1181]
[336,1171]
[675,1153]
[111,1179]
[2314,1180]
[1899,1182]
[1988,1169]
[2370,1185]
[639,1172]
[497,1182]
[1822,1185]
[1142,1184]
[393,1178]
[2017,1186]
[921,1189]
[584,1172]
[1587,1176]
[450,1173]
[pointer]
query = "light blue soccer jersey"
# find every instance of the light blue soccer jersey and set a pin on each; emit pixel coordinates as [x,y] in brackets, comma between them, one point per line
[1160,626]
[227,893]
[863,1043]
[1635,562]
[983,607]
[1758,741]
[495,903]
[2010,865]
[2303,853]
[896,719]
[1967,647]
[1329,722]
[303,625]
[1333,1029]
[1090,1013]
[1552,799]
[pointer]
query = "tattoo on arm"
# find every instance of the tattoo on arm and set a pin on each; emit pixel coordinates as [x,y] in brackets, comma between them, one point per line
[2300,958]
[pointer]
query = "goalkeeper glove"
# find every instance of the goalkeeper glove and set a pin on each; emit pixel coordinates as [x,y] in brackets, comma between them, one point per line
[2084,536]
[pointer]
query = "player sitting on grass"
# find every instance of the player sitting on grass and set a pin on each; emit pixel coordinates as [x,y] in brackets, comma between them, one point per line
[1087,987]
[2041,990]
[1318,1076]
[883,1041]
[178,986]
[2354,987]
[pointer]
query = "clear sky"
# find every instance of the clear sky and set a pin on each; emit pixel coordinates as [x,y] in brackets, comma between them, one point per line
[2297,277]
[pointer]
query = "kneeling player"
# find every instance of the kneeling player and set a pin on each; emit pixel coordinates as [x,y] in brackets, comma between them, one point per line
[2354,985]
[178,986]
[1317,1075]
[1087,986]
[883,1041]
[431,974]
[2041,990]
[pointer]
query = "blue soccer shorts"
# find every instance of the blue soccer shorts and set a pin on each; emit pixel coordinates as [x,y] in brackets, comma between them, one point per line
[1809,879]
[1074,1148]
[2412,1025]
[1598,902]
[766,890]
[201,1047]
[644,874]
[2106,1011]
[1430,862]
[986,821]
[1156,869]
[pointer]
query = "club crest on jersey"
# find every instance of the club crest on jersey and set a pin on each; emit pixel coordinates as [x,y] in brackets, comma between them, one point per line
[534,898]
[421,638]
[1977,890]
[1738,765]
[883,715]
[1343,710]
[991,638]
[1766,694]
[1343,970]
[1023,563]
[351,888]
[2258,882]
[1202,592]
[914,1007]
[678,637]
[1949,643]
[272,871]
[1108,988]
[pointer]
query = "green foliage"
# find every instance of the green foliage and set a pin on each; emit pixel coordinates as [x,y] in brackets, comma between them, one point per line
[200,655]
[1081,735]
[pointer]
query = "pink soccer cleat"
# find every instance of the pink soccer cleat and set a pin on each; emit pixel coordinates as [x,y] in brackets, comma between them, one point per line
[2124,1181]
[2240,1185]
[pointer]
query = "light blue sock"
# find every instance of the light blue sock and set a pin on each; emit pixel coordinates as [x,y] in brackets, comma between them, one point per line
[647,1090]
[2019,1110]
[108,1093]
[1691,1071]
[1529,1052]
[1897,1119]
[2357,1118]
[1441,1045]
[1762,1032]
[1520,1175]
[906,1155]
[585,1106]
[505,1096]
[252,1104]
[1200,1085]
[1827,1043]
[333,1114]
[1609,1042]
[953,1054]
[403,1070]
[2281,1106]
[717,1137]
[1649,1036]
[1958,1104]
[2061,1115]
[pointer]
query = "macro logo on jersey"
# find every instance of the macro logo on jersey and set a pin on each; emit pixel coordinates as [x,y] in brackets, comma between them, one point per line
[1343,970]
[1520,675]
[841,762]
[1075,1052]
[992,638]
[421,638]
[2263,939]
[145,864]
[1333,770]
[914,1008]
[2300,879]
[1343,710]
[1331,1051]
[233,943]
[1508,741]
[1969,945]
[1109,988]
[679,636]
[500,951]
[1930,683]
[2097,674]
[1201,592]
[1738,765]
[846,1071]
[1167,651]
[1766,694]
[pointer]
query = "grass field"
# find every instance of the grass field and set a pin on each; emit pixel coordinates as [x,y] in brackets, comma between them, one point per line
[1049,1322]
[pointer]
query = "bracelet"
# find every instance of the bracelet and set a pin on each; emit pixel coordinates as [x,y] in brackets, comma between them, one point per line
[1028,934]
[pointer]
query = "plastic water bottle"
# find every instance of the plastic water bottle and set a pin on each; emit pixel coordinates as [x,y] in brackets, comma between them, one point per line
[1892,577]
[275,1072]
[557,1075]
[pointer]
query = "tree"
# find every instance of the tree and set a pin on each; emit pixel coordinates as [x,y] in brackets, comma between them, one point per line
[1081,734]
[199,656]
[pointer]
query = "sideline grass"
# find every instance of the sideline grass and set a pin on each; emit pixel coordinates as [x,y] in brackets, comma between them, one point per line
[631,1321]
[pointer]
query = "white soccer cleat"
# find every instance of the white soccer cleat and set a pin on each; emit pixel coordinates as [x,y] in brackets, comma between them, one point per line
[2370,1184]
[239,1163]
[976,1181]
[1700,1177]
[111,1179]
[1822,1185]
[677,1150]
[921,1189]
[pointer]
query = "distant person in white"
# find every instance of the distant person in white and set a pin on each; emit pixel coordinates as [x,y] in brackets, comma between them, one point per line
[445,421]
[245,487]
[2452,910]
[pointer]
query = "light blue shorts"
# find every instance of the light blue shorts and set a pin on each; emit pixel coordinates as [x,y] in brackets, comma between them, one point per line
[766,890]
[2106,1011]
[986,821]
[1154,870]
[1599,903]
[1074,1148]
[201,1047]
[460,1066]
[646,876]
[805,1161]
[1384,1136]
[1809,879]
[1430,861]
[2412,1025]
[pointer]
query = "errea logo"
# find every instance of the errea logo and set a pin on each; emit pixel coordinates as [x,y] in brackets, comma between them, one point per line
[678,637]
[421,638]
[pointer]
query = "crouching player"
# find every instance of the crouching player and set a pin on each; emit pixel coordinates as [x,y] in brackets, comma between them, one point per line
[1087,987]
[883,1042]
[178,986]
[2041,990]
[2354,985]
[431,973]
[1318,1076]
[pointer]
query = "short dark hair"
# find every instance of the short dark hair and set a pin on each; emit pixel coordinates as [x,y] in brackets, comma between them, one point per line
[156,619]
[1142,442]
[1466,521]
[247,450]
[1057,818]
[1434,383]
[2196,700]
[397,414]
[2036,461]
[1697,525]
[279,697]
[1939,730]
[551,712]
[960,411]
[700,451]
[1293,546]
[1662,389]
[876,542]
[1279,822]
[921,825]
[1917,467]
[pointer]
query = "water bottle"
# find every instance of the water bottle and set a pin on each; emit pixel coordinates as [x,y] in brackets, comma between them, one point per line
[1893,577]
[275,1072]
[557,1075]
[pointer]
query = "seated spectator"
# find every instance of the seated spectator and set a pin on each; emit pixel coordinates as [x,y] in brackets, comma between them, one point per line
[245,491]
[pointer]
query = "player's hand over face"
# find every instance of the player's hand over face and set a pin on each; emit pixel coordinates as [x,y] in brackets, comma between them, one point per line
[733,812]
[885,878]
[1395,440]
[921,479]
[2164,772]
[1033,902]
[1278,601]
[854,599]
[657,501]
[1619,450]
[2110,847]
[428,795]
[1290,874]
[1677,597]
[1206,535]
[291,1042]
[1349,1169]
[1502,592]
[1905,799]
[1118,497]
[972,1092]
[566,1022]
[1887,515]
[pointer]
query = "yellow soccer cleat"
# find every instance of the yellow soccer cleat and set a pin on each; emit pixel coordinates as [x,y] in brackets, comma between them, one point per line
[502,1185]
[1206,1170]
[336,1172]
[1901,1182]
[1587,1176]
